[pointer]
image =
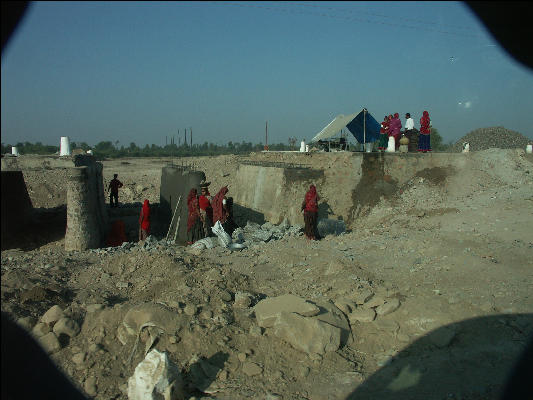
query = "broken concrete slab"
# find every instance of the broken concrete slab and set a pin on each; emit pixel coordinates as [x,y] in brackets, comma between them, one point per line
[152,314]
[267,310]
[309,335]
[53,315]
[66,326]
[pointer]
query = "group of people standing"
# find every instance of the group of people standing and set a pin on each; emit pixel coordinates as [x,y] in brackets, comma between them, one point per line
[204,211]
[391,126]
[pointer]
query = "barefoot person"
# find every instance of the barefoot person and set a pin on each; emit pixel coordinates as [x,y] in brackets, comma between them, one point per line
[310,209]
[144,221]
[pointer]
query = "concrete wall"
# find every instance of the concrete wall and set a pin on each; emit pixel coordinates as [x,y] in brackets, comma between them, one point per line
[16,203]
[176,181]
[87,219]
[349,184]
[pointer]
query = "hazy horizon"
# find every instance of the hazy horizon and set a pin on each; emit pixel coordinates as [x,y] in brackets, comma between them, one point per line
[137,72]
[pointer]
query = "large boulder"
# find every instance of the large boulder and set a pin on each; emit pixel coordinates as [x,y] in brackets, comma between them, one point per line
[310,335]
[268,310]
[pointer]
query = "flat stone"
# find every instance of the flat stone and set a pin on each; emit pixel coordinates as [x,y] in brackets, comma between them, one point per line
[375,301]
[26,322]
[79,358]
[190,309]
[66,326]
[206,314]
[251,368]
[90,386]
[94,307]
[255,330]
[242,300]
[363,296]
[390,306]
[268,310]
[152,313]
[225,295]
[40,329]
[50,343]
[310,335]
[442,337]
[387,325]
[344,306]
[241,357]
[362,315]
[53,315]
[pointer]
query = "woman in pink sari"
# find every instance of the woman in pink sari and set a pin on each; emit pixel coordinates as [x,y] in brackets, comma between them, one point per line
[395,128]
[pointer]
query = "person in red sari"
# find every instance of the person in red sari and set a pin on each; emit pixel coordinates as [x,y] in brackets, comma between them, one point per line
[424,142]
[383,136]
[395,129]
[310,209]
[144,221]
[195,230]
[206,211]
[222,210]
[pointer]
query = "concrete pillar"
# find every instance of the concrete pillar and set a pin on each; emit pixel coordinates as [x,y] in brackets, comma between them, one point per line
[83,230]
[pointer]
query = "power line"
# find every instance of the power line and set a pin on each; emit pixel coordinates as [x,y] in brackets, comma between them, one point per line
[347,18]
[351,11]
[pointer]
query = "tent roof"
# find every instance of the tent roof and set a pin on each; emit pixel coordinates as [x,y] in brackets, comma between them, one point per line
[368,131]
[339,122]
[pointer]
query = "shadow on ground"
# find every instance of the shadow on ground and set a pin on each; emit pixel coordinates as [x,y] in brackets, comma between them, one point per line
[471,359]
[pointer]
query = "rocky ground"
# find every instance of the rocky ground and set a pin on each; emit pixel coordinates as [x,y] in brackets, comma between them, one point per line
[427,297]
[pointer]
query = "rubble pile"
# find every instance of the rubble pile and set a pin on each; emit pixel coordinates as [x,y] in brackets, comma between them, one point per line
[492,137]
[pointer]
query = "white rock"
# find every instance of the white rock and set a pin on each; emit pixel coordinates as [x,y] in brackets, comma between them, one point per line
[50,343]
[53,315]
[66,326]
[154,378]
[40,329]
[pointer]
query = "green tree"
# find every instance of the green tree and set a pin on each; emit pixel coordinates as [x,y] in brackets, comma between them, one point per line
[437,143]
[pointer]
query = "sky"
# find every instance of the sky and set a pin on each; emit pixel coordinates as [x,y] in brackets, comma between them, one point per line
[145,71]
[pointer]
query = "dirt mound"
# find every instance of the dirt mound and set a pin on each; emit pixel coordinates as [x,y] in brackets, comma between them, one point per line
[492,137]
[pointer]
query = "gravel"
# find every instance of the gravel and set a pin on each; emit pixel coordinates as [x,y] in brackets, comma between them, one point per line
[492,137]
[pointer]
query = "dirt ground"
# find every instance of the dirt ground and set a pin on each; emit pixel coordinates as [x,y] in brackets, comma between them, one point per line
[454,250]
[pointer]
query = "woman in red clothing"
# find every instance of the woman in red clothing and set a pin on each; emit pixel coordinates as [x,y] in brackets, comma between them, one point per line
[310,209]
[395,129]
[383,137]
[424,143]
[206,211]
[195,230]
[144,221]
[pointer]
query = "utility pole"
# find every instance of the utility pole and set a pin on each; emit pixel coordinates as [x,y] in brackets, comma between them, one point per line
[190,134]
[166,140]
[185,140]
[266,135]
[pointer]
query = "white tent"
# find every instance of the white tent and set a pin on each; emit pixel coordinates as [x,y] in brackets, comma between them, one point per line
[334,126]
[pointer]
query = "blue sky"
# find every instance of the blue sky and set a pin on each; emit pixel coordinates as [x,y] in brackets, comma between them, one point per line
[139,71]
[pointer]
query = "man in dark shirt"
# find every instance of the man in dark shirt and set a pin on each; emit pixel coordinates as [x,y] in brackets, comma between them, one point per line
[113,190]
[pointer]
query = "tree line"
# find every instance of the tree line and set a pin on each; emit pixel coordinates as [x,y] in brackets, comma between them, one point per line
[108,149]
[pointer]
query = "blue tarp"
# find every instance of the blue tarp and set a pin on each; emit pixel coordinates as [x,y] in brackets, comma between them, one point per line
[370,126]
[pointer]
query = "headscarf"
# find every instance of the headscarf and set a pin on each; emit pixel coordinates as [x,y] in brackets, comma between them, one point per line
[219,213]
[424,123]
[311,199]
[145,219]
[395,126]
[194,212]
[384,125]
[396,115]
